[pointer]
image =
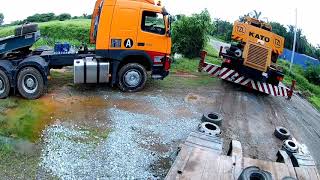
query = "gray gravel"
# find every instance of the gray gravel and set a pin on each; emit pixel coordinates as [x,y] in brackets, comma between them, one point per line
[133,149]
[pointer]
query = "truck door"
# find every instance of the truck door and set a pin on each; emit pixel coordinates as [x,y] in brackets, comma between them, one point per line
[152,33]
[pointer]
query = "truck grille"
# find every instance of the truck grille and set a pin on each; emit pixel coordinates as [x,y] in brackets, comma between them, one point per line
[257,57]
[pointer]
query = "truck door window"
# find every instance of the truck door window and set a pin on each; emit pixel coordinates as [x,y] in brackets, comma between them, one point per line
[153,22]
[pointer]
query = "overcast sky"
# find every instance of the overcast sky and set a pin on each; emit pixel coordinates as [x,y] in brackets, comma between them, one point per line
[276,10]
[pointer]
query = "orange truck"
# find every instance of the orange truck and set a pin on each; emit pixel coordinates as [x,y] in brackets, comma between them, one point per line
[131,37]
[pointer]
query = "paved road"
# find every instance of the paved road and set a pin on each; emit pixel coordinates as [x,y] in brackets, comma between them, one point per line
[217,44]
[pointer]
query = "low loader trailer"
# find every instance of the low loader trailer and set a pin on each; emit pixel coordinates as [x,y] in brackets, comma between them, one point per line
[125,50]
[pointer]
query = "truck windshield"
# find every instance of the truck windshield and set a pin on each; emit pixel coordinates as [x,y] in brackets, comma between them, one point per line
[96,21]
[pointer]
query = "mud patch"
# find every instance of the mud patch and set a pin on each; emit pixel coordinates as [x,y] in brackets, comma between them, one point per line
[197,99]
[139,145]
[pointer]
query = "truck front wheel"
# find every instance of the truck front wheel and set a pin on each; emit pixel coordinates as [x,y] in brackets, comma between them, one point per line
[30,83]
[4,85]
[132,78]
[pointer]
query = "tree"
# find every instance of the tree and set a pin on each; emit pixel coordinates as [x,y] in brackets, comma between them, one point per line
[64,16]
[1,19]
[41,17]
[190,34]
[222,30]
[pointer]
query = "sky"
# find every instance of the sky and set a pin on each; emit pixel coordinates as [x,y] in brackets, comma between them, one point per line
[282,11]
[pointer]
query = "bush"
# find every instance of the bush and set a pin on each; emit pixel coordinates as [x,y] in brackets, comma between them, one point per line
[64,16]
[41,17]
[312,73]
[190,34]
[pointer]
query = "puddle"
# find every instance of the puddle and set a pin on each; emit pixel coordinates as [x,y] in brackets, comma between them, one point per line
[30,118]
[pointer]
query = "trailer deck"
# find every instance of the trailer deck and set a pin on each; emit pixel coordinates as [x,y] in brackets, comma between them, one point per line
[197,161]
[14,43]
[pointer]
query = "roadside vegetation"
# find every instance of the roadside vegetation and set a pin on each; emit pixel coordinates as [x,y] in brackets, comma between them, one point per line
[305,82]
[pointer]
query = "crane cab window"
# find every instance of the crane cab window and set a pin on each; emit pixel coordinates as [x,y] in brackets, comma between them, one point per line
[153,22]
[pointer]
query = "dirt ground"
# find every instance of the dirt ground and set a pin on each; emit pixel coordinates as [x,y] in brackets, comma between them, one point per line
[98,132]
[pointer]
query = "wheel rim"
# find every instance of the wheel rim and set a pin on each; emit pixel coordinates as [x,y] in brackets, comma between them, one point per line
[2,86]
[132,78]
[29,83]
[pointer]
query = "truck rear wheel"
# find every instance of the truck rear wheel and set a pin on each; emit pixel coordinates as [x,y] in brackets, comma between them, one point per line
[4,85]
[30,83]
[132,78]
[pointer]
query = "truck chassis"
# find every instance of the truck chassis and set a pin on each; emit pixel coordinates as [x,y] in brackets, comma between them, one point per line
[235,77]
[27,71]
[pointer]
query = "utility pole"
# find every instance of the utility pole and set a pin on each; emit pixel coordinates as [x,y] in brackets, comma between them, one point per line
[294,40]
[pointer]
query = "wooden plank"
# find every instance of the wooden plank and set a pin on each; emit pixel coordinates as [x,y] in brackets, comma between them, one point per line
[179,163]
[237,156]
[211,170]
[278,170]
[227,171]
[201,140]
[196,164]
[306,173]
[203,148]
[288,162]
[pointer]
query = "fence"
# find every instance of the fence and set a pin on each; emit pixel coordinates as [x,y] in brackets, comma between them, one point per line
[299,59]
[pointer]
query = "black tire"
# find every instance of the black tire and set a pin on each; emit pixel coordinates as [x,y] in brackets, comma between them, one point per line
[290,146]
[25,29]
[212,117]
[254,173]
[133,82]
[30,83]
[282,133]
[4,85]
[210,129]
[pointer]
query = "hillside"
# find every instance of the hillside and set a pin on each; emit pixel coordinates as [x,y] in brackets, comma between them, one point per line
[73,31]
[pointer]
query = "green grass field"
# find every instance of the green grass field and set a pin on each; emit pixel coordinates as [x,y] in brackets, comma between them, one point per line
[75,32]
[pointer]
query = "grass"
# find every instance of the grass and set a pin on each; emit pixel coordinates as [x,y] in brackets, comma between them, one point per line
[311,91]
[16,165]
[75,32]
[23,119]
[191,65]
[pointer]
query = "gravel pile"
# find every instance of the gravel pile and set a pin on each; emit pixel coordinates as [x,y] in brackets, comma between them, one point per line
[132,150]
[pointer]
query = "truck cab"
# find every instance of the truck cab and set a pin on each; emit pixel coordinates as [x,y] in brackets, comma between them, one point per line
[132,31]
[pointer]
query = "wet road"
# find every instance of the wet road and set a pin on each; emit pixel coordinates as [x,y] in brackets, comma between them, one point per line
[217,44]
[155,121]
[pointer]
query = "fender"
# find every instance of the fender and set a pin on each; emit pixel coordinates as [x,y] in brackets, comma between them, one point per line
[9,69]
[38,62]
[119,55]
